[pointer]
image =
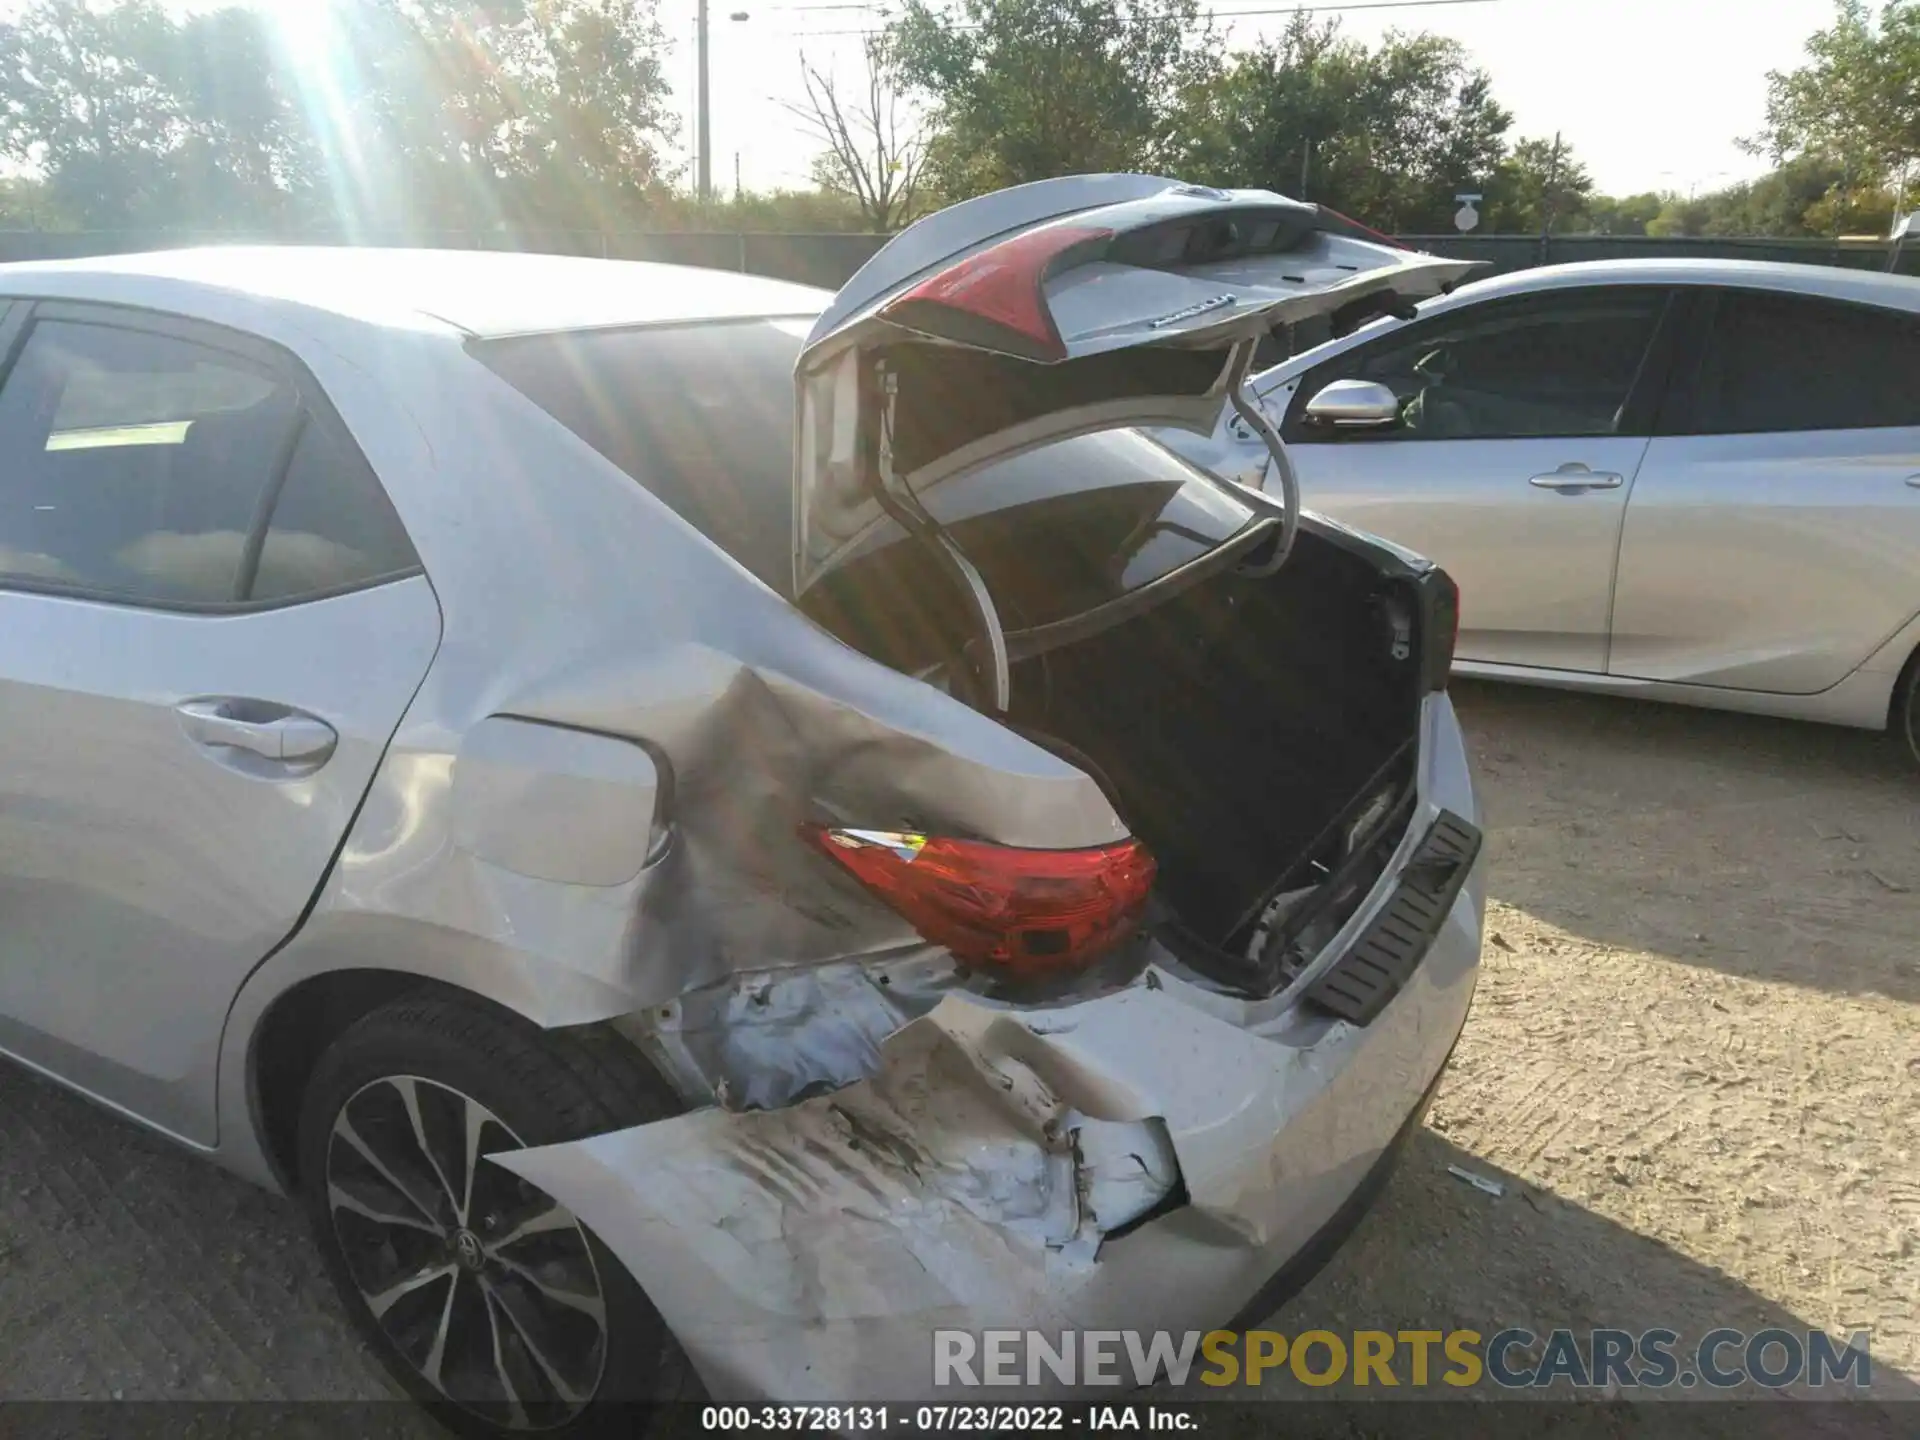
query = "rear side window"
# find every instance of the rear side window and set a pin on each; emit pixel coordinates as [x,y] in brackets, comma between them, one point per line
[1787,362]
[142,466]
[333,526]
[700,415]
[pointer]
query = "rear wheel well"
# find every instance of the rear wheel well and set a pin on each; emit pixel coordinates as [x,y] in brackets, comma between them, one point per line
[1905,726]
[1898,698]
[296,1032]
[290,1040]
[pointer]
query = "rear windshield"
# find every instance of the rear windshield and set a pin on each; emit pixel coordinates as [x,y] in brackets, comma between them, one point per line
[702,416]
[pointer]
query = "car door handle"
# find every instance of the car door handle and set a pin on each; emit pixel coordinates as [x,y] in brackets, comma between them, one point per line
[250,725]
[1575,476]
[1914,481]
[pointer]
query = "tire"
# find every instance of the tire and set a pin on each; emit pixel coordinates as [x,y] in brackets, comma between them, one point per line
[489,1303]
[1906,710]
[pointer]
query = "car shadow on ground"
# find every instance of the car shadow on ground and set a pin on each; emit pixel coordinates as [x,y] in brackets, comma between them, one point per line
[1773,849]
[1437,1253]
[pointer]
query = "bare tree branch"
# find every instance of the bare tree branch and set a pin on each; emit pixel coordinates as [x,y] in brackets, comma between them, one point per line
[871,153]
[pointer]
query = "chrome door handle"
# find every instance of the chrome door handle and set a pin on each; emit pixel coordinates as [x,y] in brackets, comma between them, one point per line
[288,736]
[1575,476]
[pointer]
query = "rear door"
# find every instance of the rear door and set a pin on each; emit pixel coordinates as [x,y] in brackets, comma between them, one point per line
[210,624]
[1773,538]
[1523,424]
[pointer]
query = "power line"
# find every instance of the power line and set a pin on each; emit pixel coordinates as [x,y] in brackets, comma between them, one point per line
[1169,15]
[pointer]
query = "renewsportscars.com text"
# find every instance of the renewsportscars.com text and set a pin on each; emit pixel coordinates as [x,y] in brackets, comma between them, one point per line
[1511,1359]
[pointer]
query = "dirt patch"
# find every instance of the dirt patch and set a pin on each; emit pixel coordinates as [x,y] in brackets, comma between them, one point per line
[1694,1061]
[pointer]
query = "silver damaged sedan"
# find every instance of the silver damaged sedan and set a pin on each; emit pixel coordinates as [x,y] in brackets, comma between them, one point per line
[706,830]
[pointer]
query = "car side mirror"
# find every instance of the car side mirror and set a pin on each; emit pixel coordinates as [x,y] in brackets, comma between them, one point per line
[1354,405]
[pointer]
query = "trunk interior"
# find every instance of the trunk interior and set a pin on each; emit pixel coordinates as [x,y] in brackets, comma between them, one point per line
[1259,733]
[1238,724]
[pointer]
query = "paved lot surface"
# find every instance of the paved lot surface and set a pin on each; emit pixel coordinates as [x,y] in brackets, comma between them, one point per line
[1694,1061]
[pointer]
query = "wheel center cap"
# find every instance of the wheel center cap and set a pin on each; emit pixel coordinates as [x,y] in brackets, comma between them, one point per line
[466,1250]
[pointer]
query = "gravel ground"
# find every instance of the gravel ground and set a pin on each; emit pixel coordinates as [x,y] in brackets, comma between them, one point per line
[1694,1062]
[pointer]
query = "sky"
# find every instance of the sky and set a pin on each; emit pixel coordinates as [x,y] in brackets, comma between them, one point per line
[1649,94]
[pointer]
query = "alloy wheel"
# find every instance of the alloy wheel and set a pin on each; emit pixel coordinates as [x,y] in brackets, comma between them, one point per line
[483,1284]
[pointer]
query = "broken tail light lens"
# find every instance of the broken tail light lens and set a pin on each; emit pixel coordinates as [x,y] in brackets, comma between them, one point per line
[1028,913]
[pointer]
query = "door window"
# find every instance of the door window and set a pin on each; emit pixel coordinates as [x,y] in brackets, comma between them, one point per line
[1790,362]
[137,465]
[1555,365]
[134,462]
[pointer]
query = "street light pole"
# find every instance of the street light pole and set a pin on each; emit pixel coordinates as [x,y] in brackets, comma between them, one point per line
[701,129]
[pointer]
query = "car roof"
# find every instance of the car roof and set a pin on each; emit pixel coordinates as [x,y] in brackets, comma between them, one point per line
[1871,287]
[486,293]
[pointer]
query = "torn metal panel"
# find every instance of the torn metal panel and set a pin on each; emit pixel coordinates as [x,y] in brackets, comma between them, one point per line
[809,1252]
[762,1040]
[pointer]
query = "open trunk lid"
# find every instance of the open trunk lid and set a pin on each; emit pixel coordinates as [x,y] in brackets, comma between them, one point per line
[1050,310]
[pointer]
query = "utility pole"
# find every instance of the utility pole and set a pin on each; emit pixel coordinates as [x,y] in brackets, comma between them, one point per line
[1550,199]
[736,177]
[703,156]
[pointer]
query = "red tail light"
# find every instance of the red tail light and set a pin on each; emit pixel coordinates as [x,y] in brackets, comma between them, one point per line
[1031,913]
[1002,287]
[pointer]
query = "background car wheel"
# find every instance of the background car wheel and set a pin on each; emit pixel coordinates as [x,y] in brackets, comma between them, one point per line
[1906,709]
[489,1301]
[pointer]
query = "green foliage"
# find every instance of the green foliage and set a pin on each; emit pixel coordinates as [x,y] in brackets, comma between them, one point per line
[407,119]
[1856,102]
[1620,215]
[378,116]
[1807,196]
[1022,90]
[1540,181]
[804,212]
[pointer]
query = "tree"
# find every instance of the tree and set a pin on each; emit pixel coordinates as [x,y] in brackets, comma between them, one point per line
[1623,214]
[1538,181]
[385,117]
[1856,102]
[873,156]
[1389,135]
[1022,90]
[492,113]
[80,101]
[1807,196]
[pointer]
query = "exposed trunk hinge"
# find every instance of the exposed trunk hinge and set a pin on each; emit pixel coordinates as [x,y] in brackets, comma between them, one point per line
[1248,408]
[899,501]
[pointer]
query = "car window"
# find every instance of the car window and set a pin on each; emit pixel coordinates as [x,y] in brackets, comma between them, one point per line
[1555,365]
[332,527]
[1789,362]
[133,463]
[700,415]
